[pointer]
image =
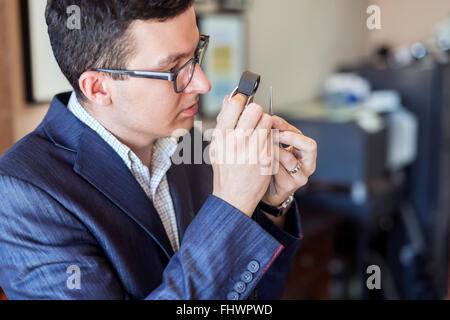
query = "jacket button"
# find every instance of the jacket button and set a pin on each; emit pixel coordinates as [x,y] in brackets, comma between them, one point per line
[253,266]
[239,287]
[233,296]
[247,276]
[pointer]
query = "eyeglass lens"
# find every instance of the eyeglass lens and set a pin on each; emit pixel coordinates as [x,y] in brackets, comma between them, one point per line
[186,74]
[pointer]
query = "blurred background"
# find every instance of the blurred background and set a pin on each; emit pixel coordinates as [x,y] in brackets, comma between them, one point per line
[368,80]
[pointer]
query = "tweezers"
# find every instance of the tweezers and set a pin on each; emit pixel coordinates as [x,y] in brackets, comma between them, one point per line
[272,187]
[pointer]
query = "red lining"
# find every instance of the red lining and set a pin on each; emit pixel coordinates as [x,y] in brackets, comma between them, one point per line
[300,236]
[270,262]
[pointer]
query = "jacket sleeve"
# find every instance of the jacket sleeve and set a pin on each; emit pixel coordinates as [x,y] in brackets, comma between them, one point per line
[224,254]
[274,281]
[40,242]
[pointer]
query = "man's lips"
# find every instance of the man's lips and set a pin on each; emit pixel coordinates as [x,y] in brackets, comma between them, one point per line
[192,110]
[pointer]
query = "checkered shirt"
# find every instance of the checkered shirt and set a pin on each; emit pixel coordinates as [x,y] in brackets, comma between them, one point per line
[153,183]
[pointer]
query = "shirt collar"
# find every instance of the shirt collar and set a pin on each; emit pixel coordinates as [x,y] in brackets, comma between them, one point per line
[163,148]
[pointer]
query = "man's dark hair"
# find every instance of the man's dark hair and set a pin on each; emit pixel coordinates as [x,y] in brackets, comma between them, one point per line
[102,41]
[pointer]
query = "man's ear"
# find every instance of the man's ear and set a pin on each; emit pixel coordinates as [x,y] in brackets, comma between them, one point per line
[94,86]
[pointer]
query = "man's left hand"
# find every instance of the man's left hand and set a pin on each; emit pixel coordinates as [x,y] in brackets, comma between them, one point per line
[302,152]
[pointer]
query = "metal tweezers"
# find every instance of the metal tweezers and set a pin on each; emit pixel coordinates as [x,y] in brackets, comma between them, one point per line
[271,101]
[272,187]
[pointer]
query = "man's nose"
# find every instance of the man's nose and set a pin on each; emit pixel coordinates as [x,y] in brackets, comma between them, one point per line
[200,83]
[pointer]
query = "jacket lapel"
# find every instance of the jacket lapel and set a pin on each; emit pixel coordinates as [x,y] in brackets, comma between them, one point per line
[102,167]
[181,197]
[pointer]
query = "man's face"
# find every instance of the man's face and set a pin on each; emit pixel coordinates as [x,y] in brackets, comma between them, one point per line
[151,107]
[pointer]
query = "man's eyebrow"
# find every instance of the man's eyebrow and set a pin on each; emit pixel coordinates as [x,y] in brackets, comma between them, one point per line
[174,57]
[171,59]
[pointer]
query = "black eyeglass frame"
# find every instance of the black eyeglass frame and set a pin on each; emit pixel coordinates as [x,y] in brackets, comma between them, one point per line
[169,76]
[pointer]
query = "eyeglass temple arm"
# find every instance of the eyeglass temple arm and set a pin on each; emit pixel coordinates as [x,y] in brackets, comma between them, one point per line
[140,74]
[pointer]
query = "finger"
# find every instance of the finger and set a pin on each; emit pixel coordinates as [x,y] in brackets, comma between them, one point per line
[263,131]
[219,116]
[250,117]
[265,123]
[231,111]
[298,141]
[289,162]
[286,184]
[282,125]
[305,149]
[287,159]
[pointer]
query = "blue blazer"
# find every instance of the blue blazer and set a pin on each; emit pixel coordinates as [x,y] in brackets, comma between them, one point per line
[75,224]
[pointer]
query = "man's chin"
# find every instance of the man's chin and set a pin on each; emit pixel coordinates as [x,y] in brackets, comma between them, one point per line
[183,127]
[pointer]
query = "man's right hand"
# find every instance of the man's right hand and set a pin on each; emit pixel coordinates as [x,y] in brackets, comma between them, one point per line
[241,153]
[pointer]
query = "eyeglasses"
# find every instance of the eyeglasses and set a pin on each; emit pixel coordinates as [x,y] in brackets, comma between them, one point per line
[180,78]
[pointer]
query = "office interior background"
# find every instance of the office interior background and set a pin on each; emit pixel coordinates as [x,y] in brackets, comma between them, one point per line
[367,79]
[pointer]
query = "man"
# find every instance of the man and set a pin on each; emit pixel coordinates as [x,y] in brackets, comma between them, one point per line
[91,206]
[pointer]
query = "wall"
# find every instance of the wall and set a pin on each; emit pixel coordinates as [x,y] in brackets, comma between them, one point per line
[6,113]
[17,119]
[407,21]
[295,44]
[23,118]
[294,52]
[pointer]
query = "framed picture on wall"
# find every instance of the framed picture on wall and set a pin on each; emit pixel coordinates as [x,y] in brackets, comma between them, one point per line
[226,57]
[43,77]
